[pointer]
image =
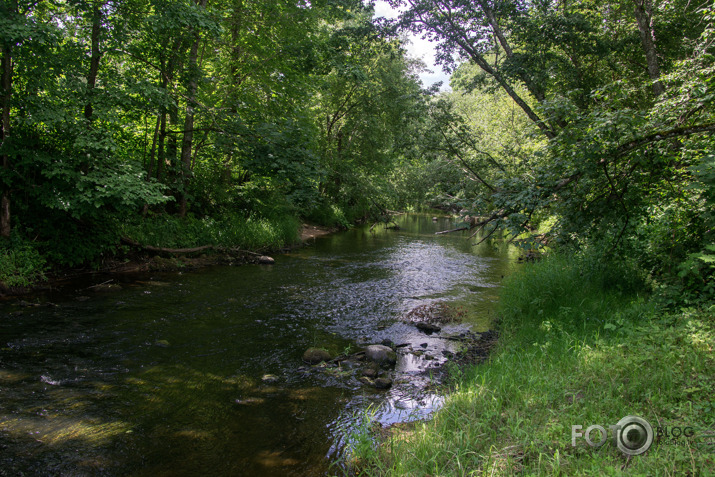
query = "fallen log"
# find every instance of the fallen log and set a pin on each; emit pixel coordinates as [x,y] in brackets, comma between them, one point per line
[152,248]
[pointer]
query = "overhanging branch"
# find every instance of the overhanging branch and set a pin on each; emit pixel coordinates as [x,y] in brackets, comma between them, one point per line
[663,135]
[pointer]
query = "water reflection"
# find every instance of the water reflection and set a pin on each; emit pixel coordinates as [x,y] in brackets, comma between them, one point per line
[167,376]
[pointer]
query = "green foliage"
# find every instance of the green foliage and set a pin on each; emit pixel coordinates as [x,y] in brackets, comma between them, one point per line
[554,115]
[230,231]
[216,109]
[120,189]
[676,242]
[696,285]
[368,101]
[68,242]
[473,142]
[329,215]
[21,264]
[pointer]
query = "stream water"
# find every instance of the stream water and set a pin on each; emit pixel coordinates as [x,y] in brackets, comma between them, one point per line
[200,373]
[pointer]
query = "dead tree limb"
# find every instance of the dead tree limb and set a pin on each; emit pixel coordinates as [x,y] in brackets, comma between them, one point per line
[152,248]
[450,231]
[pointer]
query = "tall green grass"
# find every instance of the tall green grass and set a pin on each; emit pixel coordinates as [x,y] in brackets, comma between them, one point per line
[250,233]
[21,265]
[580,344]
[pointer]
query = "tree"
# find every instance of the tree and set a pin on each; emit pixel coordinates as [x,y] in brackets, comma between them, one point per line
[619,141]
[367,100]
[9,10]
[472,30]
[191,91]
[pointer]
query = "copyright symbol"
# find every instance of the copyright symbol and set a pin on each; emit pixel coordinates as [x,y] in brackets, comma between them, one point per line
[634,435]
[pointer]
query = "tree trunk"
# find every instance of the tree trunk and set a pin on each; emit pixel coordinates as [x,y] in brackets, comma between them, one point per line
[186,143]
[484,65]
[464,43]
[152,152]
[94,59]
[161,149]
[173,119]
[5,226]
[536,90]
[166,151]
[644,19]
[495,27]
[236,53]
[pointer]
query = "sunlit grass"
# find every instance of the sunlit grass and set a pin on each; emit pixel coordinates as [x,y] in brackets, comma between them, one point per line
[579,346]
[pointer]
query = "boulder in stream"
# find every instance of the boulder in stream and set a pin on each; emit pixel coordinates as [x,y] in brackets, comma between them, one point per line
[379,383]
[371,370]
[383,383]
[381,354]
[270,378]
[316,355]
[266,260]
[428,328]
[389,343]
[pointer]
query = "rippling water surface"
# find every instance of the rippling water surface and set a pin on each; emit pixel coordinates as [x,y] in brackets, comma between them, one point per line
[200,373]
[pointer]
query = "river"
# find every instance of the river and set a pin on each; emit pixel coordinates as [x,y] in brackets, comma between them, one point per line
[200,373]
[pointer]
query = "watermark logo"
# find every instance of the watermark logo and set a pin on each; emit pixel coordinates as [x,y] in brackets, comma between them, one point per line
[633,435]
[676,435]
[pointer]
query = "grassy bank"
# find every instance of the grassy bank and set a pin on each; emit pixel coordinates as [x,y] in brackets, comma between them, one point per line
[581,344]
[25,263]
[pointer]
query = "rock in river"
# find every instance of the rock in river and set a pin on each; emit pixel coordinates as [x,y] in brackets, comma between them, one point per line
[266,260]
[383,383]
[269,378]
[381,354]
[379,383]
[371,371]
[428,328]
[316,355]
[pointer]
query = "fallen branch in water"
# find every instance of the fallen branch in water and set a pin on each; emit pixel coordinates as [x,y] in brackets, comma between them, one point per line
[100,284]
[450,231]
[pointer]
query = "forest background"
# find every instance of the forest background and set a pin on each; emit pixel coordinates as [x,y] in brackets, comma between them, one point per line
[227,123]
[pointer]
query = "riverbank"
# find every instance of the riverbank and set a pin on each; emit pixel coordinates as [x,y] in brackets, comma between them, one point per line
[580,344]
[262,238]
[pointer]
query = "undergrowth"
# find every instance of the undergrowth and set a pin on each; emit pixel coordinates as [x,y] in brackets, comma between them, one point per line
[21,264]
[581,344]
[251,233]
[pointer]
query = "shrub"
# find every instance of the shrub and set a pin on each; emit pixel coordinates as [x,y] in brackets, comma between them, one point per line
[21,264]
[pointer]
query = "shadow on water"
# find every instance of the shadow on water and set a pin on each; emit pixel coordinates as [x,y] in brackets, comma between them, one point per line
[200,373]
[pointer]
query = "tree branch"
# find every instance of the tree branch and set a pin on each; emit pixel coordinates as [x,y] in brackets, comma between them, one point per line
[661,136]
[464,163]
